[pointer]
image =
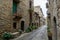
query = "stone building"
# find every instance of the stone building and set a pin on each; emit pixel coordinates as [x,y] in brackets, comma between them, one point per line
[15,15]
[38,16]
[5,15]
[21,14]
[53,12]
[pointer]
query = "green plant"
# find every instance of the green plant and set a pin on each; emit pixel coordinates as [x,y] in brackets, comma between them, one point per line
[20,31]
[48,29]
[34,27]
[29,29]
[6,36]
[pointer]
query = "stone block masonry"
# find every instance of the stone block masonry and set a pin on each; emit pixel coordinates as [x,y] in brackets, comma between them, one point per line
[5,15]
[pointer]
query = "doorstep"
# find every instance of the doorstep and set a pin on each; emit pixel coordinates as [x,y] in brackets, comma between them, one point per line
[22,35]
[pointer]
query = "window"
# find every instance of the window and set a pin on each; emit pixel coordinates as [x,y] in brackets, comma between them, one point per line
[14,25]
[30,3]
[14,6]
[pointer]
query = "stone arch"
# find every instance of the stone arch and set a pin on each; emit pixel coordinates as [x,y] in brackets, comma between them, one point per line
[55,27]
[22,24]
[54,19]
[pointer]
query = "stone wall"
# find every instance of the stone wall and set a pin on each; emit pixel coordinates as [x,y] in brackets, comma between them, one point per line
[23,9]
[5,15]
[40,18]
[54,12]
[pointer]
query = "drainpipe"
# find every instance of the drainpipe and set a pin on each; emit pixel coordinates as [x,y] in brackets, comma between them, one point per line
[30,8]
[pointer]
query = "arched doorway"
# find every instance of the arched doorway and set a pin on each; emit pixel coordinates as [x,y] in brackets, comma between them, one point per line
[22,25]
[54,19]
[49,37]
[55,28]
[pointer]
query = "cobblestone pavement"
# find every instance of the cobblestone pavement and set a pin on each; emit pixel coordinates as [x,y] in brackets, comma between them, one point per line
[39,34]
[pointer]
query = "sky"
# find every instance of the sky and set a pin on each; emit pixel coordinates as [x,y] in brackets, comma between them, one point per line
[42,4]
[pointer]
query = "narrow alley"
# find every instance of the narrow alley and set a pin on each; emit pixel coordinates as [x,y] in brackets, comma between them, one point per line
[39,34]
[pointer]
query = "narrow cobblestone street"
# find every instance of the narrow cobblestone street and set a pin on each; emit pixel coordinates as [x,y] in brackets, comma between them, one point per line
[39,34]
[29,19]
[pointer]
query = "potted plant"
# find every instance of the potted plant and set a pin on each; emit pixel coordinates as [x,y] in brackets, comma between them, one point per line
[6,36]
